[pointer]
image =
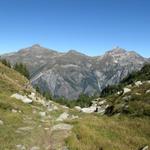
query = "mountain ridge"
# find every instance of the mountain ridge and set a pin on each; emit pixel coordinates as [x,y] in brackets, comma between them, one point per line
[72,73]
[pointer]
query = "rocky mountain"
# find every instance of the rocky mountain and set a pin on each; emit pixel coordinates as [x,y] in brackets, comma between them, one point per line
[72,73]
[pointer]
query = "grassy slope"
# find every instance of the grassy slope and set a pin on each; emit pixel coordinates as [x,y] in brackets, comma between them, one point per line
[10,83]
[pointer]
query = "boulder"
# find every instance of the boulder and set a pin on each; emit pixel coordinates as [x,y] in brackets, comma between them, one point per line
[148,91]
[101,102]
[126,90]
[24,99]
[63,117]
[89,109]
[78,108]
[138,83]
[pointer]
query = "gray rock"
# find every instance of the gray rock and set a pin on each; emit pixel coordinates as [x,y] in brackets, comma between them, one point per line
[63,117]
[89,109]
[24,128]
[74,117]
[127,98]
[14,111]
[22,98]
[78,108]
[102,102]
[35,148]
[145,148]
[42,114]
[126,90]
[62,126]
[100,110]
[148,91]
[138,83]
[20,147]
[1,122]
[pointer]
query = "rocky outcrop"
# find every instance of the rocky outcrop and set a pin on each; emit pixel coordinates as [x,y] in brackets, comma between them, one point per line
[24,99]
[99,105]
[69,74]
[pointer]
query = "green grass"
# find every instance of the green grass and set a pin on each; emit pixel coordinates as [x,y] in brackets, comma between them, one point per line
[109,133]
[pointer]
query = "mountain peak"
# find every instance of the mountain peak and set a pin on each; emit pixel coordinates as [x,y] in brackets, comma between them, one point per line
[117,50]
[75,52]
[36,46]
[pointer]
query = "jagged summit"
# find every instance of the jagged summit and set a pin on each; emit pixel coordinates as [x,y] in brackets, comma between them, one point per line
[116,50]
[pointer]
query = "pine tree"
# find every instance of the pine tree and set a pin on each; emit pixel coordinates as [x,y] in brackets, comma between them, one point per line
[5,62]
[21,68]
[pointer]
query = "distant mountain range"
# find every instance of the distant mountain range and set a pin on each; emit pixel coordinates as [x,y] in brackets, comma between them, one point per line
[72,73]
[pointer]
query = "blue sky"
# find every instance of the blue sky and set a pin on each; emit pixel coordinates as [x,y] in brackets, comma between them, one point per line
[89,26]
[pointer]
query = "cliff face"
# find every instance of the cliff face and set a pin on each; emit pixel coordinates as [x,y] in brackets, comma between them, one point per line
[69,74]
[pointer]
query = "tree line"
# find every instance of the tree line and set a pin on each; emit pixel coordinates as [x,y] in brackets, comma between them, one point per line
[19,67]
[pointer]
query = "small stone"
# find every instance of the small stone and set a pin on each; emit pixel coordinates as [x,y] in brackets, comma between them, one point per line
[148,91]
[20,147]
[42,114]
[145,148]
[138,93]
[65,107]
[74,117]
[46,128]
[14,110]
[1,122]
[62,126]
[35,148]
[127,98]
[25,128]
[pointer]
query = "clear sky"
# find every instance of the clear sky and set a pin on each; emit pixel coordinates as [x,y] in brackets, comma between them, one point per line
[89,26]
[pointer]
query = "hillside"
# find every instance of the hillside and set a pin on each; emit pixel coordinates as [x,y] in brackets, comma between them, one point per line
[27,120]
[72,73]
[45,125]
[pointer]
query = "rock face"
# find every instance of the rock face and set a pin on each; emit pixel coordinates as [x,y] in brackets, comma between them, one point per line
[24,99]
[69,74]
